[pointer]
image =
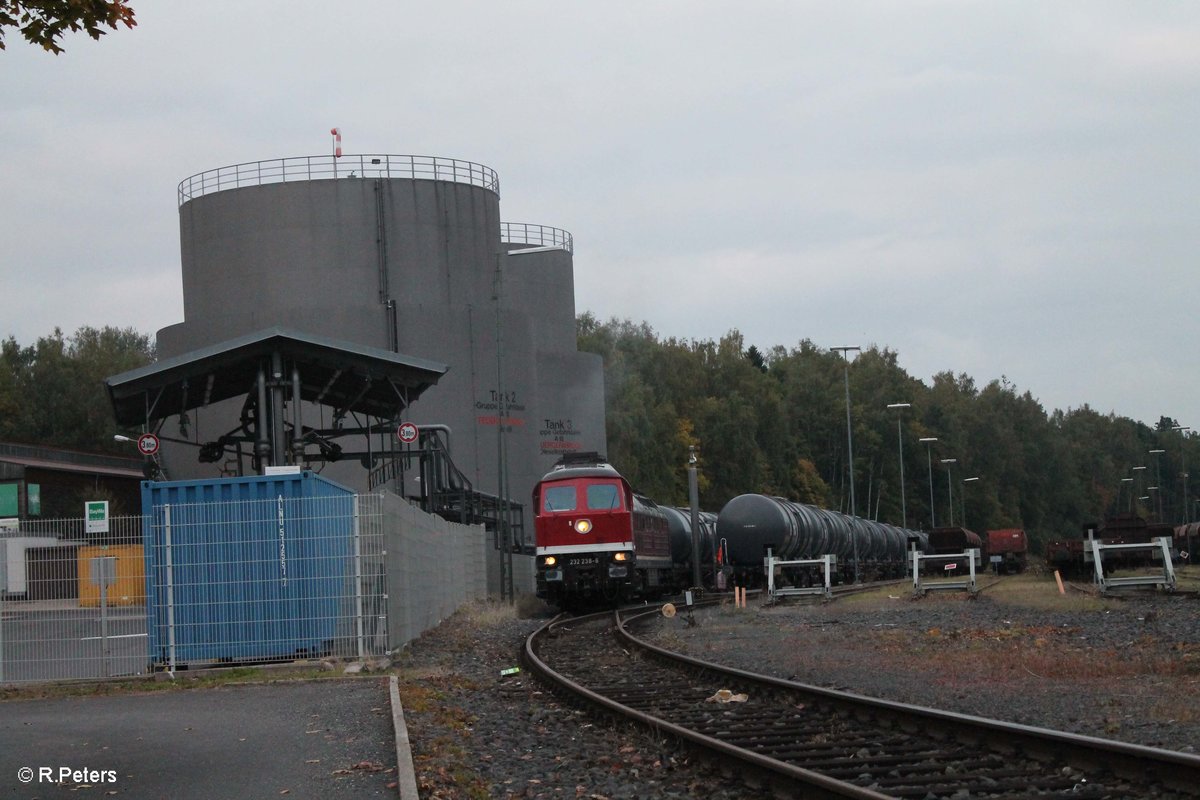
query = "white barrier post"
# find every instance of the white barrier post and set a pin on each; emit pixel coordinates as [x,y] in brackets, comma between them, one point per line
[3,589]
[358,594]
[170,592]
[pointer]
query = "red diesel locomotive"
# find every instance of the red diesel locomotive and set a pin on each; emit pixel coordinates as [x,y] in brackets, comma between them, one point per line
[597,541]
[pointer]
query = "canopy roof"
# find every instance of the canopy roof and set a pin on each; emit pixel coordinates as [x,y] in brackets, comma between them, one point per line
[349,377]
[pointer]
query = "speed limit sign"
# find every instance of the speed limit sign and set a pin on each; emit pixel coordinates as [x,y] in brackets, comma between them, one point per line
[147,444]
[407,433]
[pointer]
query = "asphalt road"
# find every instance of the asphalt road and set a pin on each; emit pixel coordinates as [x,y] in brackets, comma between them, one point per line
[318,739]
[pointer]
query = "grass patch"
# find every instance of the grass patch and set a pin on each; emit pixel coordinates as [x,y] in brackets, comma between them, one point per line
[1015,653]
[443,769]
[1039,592]
[489,613]
[185,680]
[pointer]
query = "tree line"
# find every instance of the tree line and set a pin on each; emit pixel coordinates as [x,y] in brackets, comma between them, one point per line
[52,392]
[774,422]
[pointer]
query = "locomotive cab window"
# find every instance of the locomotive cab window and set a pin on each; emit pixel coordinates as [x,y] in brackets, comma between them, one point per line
[559,498]
[603,497]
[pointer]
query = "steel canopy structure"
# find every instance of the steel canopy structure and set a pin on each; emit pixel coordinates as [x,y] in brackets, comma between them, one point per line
[277,370]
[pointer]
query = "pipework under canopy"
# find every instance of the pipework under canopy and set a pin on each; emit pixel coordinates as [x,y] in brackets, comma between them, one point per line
[271,367]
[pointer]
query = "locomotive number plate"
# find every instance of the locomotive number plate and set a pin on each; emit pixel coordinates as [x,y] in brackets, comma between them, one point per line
[583,561]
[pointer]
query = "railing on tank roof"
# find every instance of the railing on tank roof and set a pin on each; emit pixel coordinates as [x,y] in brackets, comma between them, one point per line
[327,167]
[538,235]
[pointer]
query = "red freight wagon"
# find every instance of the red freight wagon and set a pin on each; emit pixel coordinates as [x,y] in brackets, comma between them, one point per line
[1007,550]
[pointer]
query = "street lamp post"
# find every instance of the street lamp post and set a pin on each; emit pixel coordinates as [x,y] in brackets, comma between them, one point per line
[900,437]
[694,500]
[950,487]
[502,489]
[1121,488]
[1158,479]
[1184,474]
[963,498]
[845,351]
[1135,489]
[1187,517]
[929,440]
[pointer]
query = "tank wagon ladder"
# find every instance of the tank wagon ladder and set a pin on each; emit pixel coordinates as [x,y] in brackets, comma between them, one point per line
[828,564]
[968,583]
[1161,544]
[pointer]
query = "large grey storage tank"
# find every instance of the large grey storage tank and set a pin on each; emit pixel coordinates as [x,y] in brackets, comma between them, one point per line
[401,253]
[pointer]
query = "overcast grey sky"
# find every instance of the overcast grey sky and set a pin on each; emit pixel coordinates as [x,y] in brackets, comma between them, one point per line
[1001,188]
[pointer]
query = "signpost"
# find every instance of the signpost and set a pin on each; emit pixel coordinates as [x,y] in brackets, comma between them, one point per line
[147,444]
[95,514]
[3,590]
[104,574]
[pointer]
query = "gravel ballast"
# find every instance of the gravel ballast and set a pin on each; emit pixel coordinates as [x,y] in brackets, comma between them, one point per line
[1125,670]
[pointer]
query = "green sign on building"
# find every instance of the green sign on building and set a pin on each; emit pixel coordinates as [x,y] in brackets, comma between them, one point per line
[8,500]
[33,500]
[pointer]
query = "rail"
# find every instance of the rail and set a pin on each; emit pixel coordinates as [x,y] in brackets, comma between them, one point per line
[835,744]
[328,167]
[537,235]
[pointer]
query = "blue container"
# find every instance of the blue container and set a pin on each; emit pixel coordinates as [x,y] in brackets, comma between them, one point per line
[246,569]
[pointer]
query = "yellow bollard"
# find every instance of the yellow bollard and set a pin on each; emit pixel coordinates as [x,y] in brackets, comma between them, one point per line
[1061,588]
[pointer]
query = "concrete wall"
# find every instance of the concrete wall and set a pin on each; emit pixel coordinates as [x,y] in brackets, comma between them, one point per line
[433,567]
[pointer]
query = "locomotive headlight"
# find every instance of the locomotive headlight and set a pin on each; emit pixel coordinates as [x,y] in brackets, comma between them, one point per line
[620,556]
[550,561]
[583,526]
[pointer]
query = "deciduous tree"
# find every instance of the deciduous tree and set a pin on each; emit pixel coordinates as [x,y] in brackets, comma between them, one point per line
[43,22]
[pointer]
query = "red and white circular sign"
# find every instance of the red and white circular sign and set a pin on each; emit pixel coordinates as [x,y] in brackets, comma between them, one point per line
[147,444]
[407,433]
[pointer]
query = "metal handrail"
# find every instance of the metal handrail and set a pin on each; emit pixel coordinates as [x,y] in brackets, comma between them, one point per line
[538,235]
[328,167]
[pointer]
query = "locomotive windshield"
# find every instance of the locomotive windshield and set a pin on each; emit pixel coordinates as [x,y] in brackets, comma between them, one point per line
[603,496]
[597,496]
[559,498]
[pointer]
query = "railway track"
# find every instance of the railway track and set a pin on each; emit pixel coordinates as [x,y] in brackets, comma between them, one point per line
[822,743]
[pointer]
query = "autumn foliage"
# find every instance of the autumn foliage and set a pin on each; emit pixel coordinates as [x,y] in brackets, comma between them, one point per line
[43,22]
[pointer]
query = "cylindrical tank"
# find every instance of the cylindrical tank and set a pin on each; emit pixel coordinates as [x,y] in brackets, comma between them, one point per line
[753,523]
[337,235]
[953,540]
[400,253]
[679,523]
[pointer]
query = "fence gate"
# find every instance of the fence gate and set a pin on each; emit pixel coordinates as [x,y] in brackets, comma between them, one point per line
[194,585]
